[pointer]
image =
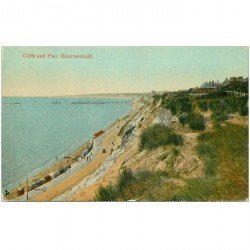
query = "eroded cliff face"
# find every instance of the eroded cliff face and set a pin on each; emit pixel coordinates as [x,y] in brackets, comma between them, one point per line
[179,162]
[182,160]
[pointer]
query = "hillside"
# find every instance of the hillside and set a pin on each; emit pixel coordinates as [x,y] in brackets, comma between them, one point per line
[179,148]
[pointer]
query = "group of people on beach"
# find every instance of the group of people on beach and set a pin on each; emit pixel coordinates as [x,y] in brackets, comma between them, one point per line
[89,157]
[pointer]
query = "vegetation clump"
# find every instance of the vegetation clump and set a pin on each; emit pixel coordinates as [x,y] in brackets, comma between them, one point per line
[226,173]
[159,135]
[219,116]
[179,105]
[226,105]
[196,121]
[131,185]
[225,156]
[183,118]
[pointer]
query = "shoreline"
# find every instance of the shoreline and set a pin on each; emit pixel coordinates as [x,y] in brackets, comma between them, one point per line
[63,162]
[132,97]
[100,163]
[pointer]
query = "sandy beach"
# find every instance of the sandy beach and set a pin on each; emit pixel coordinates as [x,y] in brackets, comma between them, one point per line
[81,169]
[75,178]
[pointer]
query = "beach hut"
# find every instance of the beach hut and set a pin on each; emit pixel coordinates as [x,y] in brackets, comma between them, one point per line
[34,183]
[20,191]
[61,171]
[52,175]
[56,173]
[41,182]
[97,134]
[75,158]
[38,182]
[47,178]
[68,167]
[64,169]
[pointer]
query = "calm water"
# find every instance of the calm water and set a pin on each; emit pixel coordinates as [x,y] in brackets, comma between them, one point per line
[36,130]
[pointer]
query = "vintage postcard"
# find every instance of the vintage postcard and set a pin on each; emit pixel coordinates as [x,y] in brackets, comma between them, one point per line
[124,124]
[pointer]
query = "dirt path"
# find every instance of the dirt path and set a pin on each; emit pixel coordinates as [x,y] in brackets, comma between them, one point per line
[188,164]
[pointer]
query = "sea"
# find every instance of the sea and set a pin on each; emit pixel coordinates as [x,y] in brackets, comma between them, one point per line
[37,131]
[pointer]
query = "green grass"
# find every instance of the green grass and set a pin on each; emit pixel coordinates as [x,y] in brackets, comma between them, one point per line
[196,121]
[225,155]
[179,105]
[226,104]
[159,135]
[131,185]
[207,152]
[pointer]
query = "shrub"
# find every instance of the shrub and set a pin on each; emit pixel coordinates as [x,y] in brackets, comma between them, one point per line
[176,152]
[166,104]
[173,106]
[243,106]
[183,118]
[203,105]
[179,105]
[243,110]
[219,116]
[159,135]
[106,193]
[196,121]
[125,177]
[130,185]
[185,104]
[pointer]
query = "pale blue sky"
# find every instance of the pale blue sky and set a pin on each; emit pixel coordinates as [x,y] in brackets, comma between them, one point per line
[117,69]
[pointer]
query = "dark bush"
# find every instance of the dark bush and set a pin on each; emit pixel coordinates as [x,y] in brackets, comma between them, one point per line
[243,106]
[185,104]
[159,135]
[219,116]
[243,110]
[179,105]
[183,118]
[196,121]
[173,106]
[203,105]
